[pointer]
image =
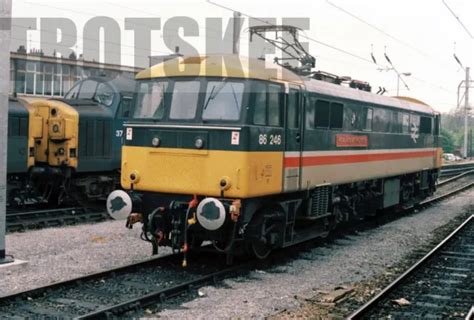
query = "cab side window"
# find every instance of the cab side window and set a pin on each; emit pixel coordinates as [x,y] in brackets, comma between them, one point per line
[260,105]
[125,107]
[267,104]
[292,109]
[274,106]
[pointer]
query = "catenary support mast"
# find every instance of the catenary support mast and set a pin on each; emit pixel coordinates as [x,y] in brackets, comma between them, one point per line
[5,24]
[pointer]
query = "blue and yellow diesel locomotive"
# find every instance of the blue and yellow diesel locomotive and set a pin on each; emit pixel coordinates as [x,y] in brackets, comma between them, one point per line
[223,148]
[73,143]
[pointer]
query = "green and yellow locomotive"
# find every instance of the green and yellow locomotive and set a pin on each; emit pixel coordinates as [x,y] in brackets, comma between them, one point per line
[226,149]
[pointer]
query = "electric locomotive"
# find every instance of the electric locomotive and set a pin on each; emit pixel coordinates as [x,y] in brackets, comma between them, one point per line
[77,141]
[223,148]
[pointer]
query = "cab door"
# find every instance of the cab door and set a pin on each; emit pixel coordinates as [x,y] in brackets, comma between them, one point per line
[293,139]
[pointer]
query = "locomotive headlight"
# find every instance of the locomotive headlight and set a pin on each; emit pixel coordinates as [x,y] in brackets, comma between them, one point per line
[56,128]
[211,214]
[134,177]
[199,143]
[155,142]
[225,183]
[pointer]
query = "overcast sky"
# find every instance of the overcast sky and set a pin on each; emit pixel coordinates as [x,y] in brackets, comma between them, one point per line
[419,35]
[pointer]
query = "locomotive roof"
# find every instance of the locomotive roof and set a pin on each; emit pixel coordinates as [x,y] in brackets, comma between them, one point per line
[242,67]
[213,66]
[334,90]
[120,83]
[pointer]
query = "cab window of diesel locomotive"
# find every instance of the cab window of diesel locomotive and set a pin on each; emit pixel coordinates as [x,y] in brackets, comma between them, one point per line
[104,94]
[87,89]
[223,100]
[151,100]
[184,100]
[125,107]
[72,94]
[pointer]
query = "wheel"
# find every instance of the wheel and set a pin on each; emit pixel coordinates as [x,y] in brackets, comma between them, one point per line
[263,229]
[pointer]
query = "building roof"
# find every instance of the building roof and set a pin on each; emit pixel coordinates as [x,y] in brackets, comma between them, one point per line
[76,62]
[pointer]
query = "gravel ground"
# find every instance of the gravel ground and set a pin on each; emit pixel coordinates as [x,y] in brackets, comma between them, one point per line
[58,254]
[351,259]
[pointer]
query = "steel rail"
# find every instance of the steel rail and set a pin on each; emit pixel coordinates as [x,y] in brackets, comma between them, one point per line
[35,292]
[35,219]
[160,296]
[359,313]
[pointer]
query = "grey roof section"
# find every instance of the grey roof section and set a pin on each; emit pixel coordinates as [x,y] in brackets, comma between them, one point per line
[335,90]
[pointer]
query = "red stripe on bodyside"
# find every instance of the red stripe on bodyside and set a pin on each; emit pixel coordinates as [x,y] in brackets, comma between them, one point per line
[291,162]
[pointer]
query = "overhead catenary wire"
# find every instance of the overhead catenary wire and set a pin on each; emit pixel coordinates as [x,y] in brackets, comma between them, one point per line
[303,36]
[458,19]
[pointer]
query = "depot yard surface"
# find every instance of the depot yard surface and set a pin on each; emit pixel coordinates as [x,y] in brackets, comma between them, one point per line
[282,291]
[57,254]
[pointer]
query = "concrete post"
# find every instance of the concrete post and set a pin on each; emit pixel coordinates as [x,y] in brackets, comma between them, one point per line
[466,112]
[5,15]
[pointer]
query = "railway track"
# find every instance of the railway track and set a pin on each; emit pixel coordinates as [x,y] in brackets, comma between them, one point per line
[118,291]
[37,219]
[440,285]
[455,169]
[131,288]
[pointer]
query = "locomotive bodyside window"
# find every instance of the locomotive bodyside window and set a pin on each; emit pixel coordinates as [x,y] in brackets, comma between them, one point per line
[395,123]
[337,115]
[310,112]
[425,125]
[274,105]
[380,120]
[414,123]
[369,114]
[350,118]
[406,123]
[322,114]
[184,100]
